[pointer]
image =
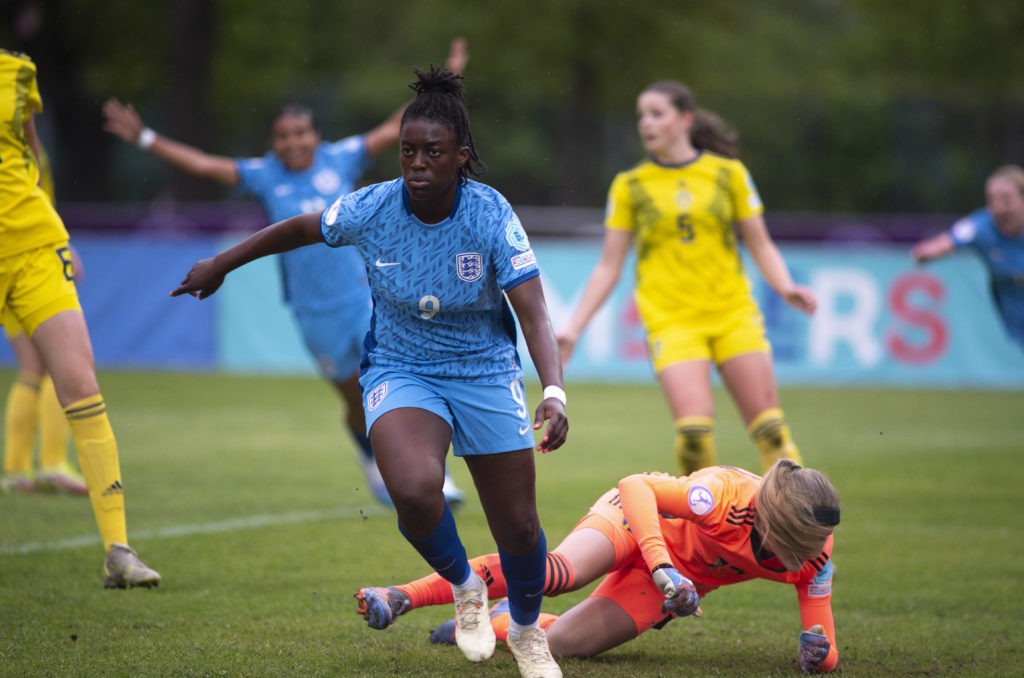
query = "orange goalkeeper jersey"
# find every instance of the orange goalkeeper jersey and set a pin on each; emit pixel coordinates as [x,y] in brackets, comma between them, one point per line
[702,524]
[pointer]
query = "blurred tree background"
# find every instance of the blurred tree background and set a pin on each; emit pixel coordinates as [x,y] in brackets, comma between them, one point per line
[842,105]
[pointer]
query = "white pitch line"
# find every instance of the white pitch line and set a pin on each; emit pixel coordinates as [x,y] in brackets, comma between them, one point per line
[174,531]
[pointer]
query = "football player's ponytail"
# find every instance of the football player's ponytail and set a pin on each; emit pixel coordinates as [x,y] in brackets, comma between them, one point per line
[709,131]
[797,508]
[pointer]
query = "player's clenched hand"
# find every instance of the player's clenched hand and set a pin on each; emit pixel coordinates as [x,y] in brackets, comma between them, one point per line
[813,649]
[681,597]
[203,280]
[551,410]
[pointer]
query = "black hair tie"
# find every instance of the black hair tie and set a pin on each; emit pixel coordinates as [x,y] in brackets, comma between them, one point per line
[824,515]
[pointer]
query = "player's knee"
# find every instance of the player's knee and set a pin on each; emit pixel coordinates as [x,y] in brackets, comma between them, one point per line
[517,536]
[570,644]
[416,501]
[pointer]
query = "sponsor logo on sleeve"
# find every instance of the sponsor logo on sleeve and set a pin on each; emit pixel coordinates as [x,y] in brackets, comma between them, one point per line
[469,266]
[523,260]
[701,500]
[821,585]
[516,236]
[375,397]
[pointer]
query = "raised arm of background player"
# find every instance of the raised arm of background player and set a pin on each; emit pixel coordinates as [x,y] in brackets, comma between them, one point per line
[123,120]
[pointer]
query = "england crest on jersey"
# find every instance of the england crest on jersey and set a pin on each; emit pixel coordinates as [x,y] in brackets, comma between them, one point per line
[376,396]
[470,266]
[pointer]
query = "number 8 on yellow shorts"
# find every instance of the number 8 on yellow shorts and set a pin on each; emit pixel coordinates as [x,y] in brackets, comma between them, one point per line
[37,285]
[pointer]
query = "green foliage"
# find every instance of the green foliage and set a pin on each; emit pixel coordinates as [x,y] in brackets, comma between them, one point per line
[853,105]
[247,497]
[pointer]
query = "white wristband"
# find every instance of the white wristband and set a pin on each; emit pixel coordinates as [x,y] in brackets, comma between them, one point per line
[146,138]
[554,392]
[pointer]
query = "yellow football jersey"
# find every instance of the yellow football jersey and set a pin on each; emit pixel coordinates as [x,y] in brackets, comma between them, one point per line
[683,223]
[27,219]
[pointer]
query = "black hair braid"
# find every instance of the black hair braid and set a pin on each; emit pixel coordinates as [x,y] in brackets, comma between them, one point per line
[439,98]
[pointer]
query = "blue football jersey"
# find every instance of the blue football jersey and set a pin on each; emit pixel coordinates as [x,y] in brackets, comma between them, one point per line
[316,278]
[1004,258]
[438,289]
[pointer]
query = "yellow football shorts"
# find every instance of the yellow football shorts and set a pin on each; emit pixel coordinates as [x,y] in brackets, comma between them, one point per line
[716,338]
[37,285]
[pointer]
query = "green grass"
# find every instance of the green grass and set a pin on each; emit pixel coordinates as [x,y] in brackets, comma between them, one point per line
[929,556]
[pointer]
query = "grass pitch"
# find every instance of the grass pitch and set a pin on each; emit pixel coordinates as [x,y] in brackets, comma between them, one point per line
[246,495]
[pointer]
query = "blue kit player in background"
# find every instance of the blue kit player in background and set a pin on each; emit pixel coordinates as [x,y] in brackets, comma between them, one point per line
[440,366]
[325,288]
[996,233]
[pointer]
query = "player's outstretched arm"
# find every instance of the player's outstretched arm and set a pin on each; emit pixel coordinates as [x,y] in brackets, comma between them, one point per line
[602,281]
[122,120]
[207,275]
[934,247]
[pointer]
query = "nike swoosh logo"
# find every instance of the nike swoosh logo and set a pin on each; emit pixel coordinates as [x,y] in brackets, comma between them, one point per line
[385,264]
[524,429]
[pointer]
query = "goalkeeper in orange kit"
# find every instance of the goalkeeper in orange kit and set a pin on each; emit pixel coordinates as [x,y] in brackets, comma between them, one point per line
[662,544]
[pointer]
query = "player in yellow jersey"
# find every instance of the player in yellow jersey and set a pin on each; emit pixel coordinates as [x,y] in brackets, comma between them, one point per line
[37,288]
[32,407]
[682,208]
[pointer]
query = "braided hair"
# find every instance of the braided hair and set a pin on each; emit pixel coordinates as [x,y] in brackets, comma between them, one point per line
[439,99]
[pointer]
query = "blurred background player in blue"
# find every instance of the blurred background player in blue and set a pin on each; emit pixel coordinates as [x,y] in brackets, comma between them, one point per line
[441,367]
[37,288]
[325,288]
[996,233]
[683,207]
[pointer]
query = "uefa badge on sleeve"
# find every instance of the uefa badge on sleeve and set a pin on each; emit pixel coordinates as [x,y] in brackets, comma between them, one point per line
[700,499]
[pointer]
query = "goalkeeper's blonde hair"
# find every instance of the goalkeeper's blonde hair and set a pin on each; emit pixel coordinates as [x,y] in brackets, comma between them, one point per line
[797,508]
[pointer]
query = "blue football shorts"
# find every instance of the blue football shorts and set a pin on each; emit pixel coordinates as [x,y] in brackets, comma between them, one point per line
[485,418]
[335,339]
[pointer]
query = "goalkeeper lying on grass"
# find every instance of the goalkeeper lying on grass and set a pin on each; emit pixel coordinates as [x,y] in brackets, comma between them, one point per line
[664,543]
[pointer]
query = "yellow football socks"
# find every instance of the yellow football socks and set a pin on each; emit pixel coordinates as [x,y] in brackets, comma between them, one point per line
[22,403]
[53,428]
[97,455]
[773,439]
[695,443]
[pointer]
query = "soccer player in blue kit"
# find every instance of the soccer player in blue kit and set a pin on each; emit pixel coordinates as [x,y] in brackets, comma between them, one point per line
[996,233]
[326,289]
[440,365]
